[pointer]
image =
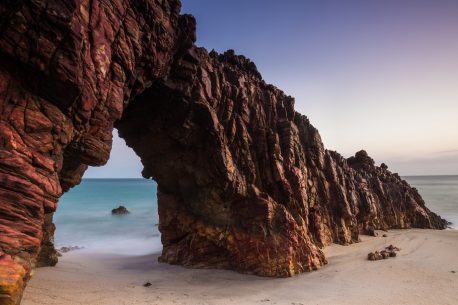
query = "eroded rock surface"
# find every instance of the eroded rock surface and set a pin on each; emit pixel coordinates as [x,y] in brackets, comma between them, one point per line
[244,181]
[67,70]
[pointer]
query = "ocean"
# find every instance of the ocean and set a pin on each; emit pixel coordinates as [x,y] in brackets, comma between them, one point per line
[84,218]
[84,215]
[440,194]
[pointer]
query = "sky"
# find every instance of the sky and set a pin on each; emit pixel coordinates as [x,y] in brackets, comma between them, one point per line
[375,75]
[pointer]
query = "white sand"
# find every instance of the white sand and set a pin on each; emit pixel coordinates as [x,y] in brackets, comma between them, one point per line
[420,274]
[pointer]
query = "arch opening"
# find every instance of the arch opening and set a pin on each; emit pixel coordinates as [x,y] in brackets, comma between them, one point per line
[84,219]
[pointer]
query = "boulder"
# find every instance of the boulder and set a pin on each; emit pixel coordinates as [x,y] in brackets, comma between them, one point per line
[121,210]
[388,252]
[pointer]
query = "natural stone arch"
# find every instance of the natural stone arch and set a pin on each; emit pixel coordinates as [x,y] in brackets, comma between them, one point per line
[217,207]
[244,181]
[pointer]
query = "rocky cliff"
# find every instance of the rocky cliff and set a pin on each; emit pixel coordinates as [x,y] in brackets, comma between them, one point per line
[244,181]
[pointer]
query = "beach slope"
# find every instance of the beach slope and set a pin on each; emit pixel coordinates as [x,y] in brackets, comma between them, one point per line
[424,272]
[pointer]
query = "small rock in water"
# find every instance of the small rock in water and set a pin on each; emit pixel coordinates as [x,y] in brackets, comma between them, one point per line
[68,249]
[147,284]
[121,210]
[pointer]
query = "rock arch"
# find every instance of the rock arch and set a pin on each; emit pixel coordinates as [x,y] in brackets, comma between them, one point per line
[244,181]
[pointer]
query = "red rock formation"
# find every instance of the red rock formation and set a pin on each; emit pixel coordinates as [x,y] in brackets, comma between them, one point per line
[244,181]
[67,70]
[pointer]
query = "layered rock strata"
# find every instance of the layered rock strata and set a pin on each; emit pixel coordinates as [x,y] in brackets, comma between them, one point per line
[244,181]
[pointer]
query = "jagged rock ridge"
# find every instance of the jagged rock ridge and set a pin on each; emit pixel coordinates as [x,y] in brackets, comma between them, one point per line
[244,181]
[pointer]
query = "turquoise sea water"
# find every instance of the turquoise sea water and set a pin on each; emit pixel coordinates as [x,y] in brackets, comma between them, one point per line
[84,214]
[84,217]
[440,194]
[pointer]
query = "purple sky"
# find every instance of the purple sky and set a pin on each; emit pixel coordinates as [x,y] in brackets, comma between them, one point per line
[378,75]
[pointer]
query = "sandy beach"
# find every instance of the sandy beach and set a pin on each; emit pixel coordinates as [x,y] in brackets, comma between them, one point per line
[424,272]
